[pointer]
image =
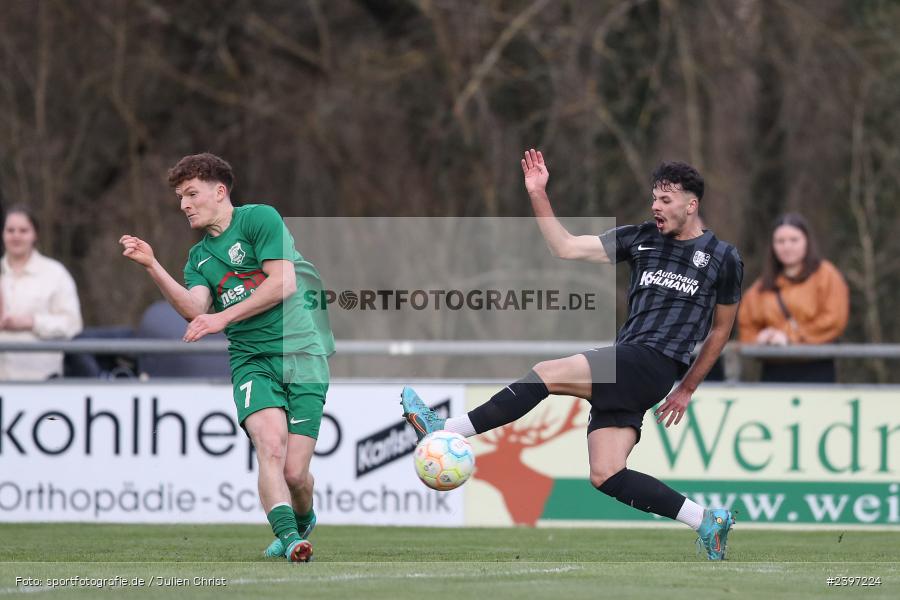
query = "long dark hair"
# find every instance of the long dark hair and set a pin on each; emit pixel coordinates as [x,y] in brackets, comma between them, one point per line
[22,209]
[773,267]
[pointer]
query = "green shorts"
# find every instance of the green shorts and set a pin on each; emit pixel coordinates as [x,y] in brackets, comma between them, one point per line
[295,382]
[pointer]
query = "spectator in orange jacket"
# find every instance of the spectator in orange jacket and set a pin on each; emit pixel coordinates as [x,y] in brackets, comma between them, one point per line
[800,298]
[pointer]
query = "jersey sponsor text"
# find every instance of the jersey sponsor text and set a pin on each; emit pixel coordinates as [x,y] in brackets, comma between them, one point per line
[669,279]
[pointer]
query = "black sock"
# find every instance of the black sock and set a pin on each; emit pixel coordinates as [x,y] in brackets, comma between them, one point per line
[510,403]
[643,493]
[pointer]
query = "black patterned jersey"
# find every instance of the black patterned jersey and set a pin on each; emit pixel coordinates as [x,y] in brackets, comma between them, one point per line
[675,286]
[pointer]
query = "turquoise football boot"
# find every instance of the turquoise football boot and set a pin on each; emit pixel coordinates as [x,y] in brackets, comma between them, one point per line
[423,419]
[713,532]
[276,548]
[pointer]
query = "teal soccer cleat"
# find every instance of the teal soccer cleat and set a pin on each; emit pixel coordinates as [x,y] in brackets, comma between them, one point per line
[423,419]
[276,548]
[713,532]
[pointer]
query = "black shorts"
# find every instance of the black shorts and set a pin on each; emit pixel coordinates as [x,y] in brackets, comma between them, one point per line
[644,376]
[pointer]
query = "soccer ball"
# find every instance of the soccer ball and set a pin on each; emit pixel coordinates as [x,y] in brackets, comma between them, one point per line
[444,460]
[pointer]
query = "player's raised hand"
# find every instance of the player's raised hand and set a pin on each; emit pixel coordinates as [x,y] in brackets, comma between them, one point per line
[535,171]
[673,407]
[137,250]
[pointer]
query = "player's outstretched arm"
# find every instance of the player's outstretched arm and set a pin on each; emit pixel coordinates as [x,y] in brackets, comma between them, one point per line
[562,244]
[280,282]
[676,403]
[188,303]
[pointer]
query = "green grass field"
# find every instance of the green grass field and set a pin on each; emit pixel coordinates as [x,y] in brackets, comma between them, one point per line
[396,562]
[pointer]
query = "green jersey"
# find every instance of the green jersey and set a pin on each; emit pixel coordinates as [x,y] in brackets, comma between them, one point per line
[230,265]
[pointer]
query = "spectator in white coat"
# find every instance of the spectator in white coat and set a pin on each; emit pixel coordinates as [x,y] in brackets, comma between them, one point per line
[39,300]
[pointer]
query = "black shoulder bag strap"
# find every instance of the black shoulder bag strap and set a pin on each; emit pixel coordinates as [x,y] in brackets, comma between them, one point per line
[787,314]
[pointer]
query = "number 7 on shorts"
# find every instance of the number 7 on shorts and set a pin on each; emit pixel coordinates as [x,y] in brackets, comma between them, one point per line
[248,387]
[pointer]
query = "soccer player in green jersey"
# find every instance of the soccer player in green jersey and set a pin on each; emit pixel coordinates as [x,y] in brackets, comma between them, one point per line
[247,269]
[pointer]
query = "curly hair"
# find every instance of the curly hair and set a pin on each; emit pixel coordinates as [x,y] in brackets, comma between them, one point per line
[205,167]
[670,174]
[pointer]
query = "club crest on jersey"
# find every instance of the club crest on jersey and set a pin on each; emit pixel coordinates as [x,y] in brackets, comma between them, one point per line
[701,259]
[237,254]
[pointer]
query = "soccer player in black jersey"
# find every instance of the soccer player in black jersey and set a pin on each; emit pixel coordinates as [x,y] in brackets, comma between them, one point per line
[685,289]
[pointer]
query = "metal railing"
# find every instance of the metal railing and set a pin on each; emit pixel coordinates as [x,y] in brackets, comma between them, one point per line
[546,349]
[350,347]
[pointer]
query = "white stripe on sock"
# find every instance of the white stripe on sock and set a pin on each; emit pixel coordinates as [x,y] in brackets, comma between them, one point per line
[274,506]
[461,425]
[691,514]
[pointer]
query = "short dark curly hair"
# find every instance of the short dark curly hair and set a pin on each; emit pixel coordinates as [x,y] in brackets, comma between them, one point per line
[205,167]
[669,174]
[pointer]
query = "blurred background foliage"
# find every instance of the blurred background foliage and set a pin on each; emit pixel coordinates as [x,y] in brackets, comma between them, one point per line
[423,107]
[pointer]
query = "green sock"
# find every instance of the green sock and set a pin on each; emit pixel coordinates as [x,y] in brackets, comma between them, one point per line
[283,523]
[304,518]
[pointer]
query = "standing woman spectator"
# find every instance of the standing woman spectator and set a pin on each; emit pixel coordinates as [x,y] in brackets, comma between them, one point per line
[800,298]
[39,300]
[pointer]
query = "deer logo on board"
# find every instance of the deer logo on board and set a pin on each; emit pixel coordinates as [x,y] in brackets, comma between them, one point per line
[525,491]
